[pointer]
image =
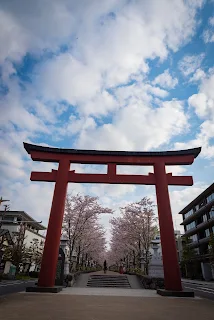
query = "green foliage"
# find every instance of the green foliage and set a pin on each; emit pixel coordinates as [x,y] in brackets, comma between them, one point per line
[34,274]
[188,259]
[188,254]
[136,271]
[22,277]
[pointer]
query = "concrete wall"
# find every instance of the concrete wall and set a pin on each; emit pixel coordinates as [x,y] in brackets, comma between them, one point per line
[206,271]
[29,236]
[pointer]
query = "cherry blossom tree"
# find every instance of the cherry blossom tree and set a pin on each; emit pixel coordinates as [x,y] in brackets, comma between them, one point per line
[133,232]
[81,226]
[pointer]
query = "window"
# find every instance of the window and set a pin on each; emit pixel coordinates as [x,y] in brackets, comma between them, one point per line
[212,212]
[190,225]
[8,218]
[189,213]
[207,232]
[196,207]
[204,217]
[193,238]
[197,250]
[202,203]
[210,197]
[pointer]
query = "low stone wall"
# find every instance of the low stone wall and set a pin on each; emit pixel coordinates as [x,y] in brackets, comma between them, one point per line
[149,282]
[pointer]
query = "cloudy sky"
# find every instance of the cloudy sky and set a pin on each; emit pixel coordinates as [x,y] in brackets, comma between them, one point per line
[114,75]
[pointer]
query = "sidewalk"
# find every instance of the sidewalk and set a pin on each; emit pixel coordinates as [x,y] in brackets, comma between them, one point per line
[199,282]
[36,306]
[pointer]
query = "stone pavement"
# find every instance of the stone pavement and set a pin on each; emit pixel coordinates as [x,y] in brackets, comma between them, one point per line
[37,306]
[120,292]
[199,282]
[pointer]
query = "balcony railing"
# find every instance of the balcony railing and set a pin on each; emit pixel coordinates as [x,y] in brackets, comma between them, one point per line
[198,213]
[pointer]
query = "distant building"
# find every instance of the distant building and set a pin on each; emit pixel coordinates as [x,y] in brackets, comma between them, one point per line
[12,221]
[198,222]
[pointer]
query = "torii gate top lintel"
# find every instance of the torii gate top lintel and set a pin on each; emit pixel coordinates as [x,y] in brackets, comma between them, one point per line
[49,154]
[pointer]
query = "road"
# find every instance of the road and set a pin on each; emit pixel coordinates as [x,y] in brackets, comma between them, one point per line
[7,287]
[201,290]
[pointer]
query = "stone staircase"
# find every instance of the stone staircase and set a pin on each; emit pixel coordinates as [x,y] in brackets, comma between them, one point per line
[108,281]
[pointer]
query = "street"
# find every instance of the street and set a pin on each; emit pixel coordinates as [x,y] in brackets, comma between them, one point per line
[201,290]
[14,286]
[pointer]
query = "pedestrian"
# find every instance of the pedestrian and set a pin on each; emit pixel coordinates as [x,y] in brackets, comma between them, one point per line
[121,267]
[105,266]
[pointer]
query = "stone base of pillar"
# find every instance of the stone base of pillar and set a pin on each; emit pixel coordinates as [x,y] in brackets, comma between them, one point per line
[171,293]
[54,289]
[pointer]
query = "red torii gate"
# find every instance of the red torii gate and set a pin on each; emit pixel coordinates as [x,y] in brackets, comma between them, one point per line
[159,178]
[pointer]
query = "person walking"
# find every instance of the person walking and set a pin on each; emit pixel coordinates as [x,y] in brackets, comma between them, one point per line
[121,267]
[105,266]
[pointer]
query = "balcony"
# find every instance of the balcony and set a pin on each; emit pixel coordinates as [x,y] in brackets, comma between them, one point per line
[199,227]
[197,243]
[198,213]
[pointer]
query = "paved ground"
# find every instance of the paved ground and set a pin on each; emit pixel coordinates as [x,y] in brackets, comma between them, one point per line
[120,292]
[201,290]
[7,287]
[34,306]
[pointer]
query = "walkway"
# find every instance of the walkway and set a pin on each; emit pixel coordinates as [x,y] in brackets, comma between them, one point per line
[36,306]
[79,303]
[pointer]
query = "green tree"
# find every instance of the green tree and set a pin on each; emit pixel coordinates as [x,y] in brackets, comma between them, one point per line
[188,258]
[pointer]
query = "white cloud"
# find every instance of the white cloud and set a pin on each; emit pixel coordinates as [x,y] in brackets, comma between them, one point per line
[107,44]
[190,63]
[165,80]
[203,138]
[111,53]
[203,102]
[208,34]
[198,75]
[138,127]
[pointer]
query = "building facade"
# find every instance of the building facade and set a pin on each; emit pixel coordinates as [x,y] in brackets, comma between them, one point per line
[198,222]
[13,221]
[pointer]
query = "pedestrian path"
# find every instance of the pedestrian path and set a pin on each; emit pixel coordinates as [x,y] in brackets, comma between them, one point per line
[40,306]
[119,292]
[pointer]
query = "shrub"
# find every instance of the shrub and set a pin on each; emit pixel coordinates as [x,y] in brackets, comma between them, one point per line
[34,274]
[151,282]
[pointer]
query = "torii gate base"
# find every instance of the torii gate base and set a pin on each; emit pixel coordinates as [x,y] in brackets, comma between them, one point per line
[159,178]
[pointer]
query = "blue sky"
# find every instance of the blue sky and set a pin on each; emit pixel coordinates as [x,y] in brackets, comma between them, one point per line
[116,75]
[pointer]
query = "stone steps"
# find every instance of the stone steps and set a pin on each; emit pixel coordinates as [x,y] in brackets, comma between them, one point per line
[105,281]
